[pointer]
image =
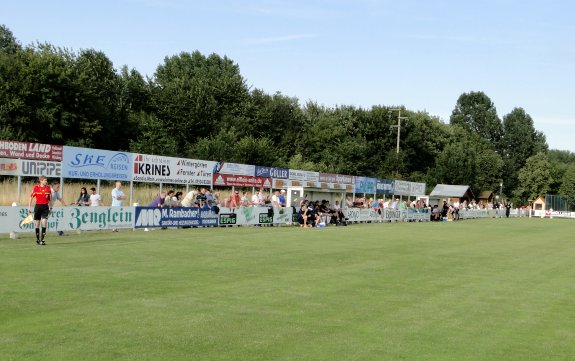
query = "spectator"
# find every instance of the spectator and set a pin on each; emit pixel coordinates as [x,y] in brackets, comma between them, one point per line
[275,199]
[95,199]
[234,200]
[83,198]
[282,198]
[190,199]
[55,196]
[256,198]
[244,201]
[177,199]
[169,199]
[159,200]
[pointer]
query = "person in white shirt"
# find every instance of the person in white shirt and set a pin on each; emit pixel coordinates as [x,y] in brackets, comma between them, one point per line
[55,196]
[117,195]
[256,199]
[95,199]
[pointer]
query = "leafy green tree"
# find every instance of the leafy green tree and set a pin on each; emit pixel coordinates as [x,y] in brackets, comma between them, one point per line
[195,95]
[520,141]
[534,177]
[567,188]
[152,137]
[476,112]
[8,43]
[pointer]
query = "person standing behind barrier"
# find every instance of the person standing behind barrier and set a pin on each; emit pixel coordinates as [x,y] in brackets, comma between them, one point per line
[83,198]
[282,198]
[55,196]
[95,199]
[159,200]
[190,199]
[41,192]
[118,197]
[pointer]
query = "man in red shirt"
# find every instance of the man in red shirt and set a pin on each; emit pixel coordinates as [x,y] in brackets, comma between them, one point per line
[42,193]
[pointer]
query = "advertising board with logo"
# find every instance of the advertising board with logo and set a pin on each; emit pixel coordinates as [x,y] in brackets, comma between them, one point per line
[9,166]
[365,185]
[417,189]
[384,186]
[272,172]
[401,188]
[336,178]
[234,168]
[159,169]
[77,218]
[150,217]
[36,168]
[256,215]
[25,150]
[88,163]
[303,175]
[229,180]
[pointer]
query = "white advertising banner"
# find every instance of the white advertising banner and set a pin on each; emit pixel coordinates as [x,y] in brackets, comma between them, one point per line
[401,188]
[256,215]
[417,189]
[88,163]
[234,168]
[303,175]
[36,168]
[159,169]
[70,218]
[9,166]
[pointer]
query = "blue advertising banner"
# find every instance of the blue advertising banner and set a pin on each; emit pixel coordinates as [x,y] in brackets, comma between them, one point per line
[384,186]
[88,163]
[365,185]
[272,172]
[150,217]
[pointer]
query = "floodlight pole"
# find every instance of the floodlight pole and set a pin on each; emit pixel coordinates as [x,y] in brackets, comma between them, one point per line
[398,126]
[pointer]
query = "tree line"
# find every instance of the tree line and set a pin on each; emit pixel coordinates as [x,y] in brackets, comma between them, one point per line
[200,107]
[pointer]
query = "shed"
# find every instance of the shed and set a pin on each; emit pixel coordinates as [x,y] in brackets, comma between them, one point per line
[539,204]
[452,192]
[486,196]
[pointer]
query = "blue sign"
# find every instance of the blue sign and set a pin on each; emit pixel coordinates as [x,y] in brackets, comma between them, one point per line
[150,217]
[88,163]
[384,186]
[365,185]
[272,172]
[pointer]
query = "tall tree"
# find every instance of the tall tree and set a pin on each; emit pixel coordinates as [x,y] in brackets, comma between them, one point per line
[195,95]
[520,141]
[534,178]
[567,188]
[476,112]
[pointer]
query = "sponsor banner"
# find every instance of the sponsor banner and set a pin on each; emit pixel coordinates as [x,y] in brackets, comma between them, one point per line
[272,172]
[414,214]
[384,186]
[303,175]
[25,150]
[284,183]
[73,218]
[229,180]
[417,189]
[88,163]
[365,185]
[234,168]
[150,217]
[36,168]
[401,188]
[9,166]
[256,215]
[369,215]
[336,178]
[159,169]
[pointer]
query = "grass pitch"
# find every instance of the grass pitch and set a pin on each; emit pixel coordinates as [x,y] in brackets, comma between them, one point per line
[493,289]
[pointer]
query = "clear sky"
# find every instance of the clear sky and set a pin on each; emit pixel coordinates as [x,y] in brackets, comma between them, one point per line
[422,54]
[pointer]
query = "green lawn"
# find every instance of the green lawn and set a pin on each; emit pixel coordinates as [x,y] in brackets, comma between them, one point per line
[493,289]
